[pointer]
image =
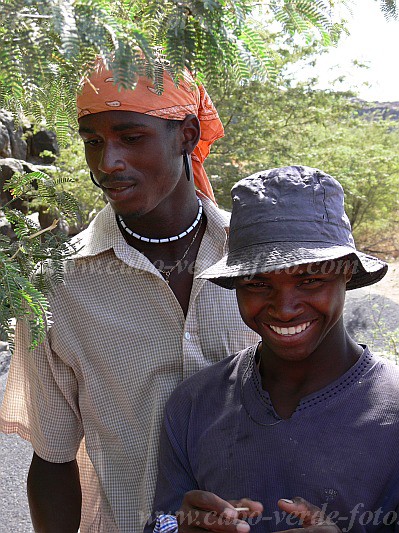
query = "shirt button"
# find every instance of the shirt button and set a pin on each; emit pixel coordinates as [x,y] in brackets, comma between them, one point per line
[187,335]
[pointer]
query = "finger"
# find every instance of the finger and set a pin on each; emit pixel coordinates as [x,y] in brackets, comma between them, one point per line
[315,529]
[208,501]
[190,529]
[309,514]
[247,508]
[190,519]
[325,528]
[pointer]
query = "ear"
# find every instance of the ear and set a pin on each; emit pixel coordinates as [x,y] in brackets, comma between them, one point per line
[191,132]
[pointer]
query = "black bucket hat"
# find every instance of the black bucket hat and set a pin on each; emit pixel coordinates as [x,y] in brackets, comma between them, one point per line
[290,216]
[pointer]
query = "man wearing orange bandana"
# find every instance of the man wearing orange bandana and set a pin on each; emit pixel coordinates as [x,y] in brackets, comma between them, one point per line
[129,322]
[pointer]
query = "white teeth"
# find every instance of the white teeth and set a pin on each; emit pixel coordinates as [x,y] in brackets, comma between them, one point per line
[292,330]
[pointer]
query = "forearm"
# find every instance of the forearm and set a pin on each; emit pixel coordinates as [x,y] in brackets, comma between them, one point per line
[54,496]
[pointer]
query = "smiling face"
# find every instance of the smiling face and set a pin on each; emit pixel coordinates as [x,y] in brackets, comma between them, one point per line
[136,159]
[294,311]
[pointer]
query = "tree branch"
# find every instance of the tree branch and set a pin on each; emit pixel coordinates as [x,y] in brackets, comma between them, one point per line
[33,236]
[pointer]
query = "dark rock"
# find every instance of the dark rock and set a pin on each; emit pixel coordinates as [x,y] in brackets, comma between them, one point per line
[5,227]
[8,167]
[41,141]
[47,216]
[12,143]
[379,110]
[5,144]
[372,319]
[5,357]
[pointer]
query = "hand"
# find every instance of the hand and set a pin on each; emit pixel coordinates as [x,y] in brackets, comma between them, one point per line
[204,511]
[313,519]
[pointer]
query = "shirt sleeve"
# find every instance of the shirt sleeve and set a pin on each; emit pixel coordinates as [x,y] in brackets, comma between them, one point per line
[41,400]
[166,524]
[175,476]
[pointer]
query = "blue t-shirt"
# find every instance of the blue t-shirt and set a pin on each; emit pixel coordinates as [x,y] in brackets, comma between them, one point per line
[338,450]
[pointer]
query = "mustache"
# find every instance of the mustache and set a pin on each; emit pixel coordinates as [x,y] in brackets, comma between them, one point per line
[109,182]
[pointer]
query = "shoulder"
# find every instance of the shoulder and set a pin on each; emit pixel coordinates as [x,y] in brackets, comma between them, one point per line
[218,216]
[99,236]
[79,259]
[225,216]
[384,361]
[387,370]
[210,384]
[383,380]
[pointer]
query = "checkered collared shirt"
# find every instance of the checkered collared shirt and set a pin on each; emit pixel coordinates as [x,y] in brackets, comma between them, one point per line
[117,346]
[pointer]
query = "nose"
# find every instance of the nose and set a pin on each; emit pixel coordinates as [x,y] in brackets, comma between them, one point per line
[284,305]
[111,160]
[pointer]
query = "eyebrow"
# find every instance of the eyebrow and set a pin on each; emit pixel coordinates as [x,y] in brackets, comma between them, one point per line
[129,126]
[119,127]
[305,274]
[299,275]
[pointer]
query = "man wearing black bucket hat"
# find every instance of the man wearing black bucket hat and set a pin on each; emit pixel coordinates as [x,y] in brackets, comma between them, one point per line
[307,414]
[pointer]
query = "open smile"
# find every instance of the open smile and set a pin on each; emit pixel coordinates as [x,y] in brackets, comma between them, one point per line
[290,331]
[118,192]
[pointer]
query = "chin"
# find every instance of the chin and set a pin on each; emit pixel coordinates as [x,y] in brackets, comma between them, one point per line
[127,212]
[297,358]
[293,355]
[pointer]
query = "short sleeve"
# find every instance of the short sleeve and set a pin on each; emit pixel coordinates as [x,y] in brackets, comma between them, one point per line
[41,400]
[175,476]
[166,524]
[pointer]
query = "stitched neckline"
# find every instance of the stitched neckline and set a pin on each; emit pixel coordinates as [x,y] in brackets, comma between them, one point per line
[257,401]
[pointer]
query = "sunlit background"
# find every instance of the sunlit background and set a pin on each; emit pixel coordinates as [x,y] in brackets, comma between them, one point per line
[373,42]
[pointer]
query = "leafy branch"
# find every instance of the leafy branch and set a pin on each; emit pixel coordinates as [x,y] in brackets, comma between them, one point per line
[32,262]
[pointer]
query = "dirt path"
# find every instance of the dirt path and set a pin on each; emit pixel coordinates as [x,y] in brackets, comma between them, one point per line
[389,285]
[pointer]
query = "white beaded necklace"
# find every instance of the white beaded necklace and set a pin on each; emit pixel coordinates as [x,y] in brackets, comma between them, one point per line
[166,239]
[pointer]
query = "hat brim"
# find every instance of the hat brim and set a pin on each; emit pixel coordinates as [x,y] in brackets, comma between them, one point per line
[268,257]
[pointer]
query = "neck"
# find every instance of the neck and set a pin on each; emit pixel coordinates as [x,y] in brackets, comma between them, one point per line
[165,220]
[164,240]
[335,356]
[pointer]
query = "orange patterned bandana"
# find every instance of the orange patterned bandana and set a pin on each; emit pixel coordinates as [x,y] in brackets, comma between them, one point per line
[99,93]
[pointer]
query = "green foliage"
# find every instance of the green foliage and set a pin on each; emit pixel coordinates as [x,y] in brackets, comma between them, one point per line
[24,277]
[303,17]
[382,337]
[45,45]
[269,127]
[70,170]
[20,298]
[40,185]
[362,154]
[389,8]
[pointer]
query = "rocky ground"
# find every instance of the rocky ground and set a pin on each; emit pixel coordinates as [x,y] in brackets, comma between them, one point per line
[371,316]
[15,456]
[389,285]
